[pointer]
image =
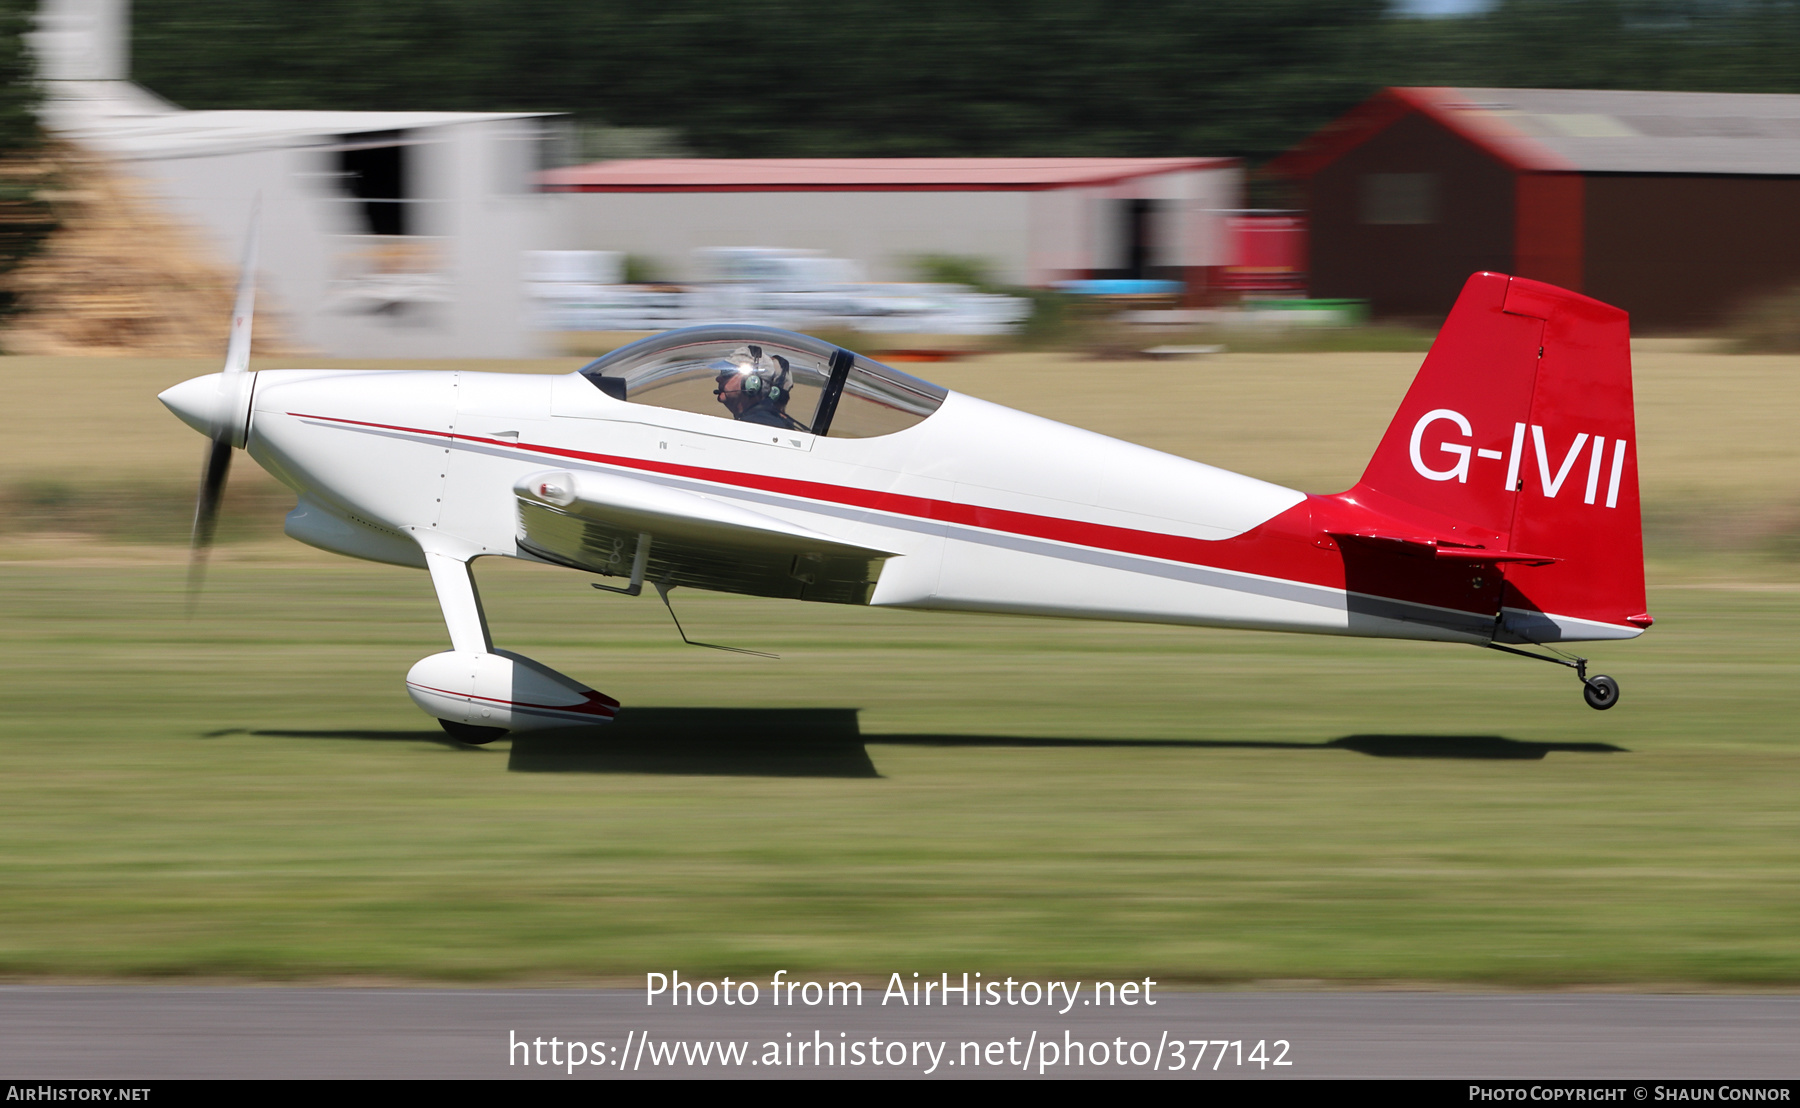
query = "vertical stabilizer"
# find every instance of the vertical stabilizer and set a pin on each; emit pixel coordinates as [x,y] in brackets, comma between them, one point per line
[1518,435]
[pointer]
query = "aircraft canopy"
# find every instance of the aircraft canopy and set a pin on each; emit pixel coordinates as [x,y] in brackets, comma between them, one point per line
[768,376]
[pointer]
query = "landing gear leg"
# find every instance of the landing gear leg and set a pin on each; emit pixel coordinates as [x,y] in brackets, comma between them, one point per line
[1600,691]
[479,693]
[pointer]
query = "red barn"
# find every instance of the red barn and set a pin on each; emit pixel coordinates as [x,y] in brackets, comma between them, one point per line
[1676,206]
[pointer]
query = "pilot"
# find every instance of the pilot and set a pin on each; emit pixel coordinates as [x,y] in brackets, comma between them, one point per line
[755,392]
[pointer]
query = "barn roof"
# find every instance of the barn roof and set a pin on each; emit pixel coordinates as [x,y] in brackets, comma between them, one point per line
[861,174]
[1583,130]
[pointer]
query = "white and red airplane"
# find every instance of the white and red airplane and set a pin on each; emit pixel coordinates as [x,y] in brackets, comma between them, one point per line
[1499,510]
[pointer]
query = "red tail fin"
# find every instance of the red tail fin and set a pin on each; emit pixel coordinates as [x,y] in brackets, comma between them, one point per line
[1517,435]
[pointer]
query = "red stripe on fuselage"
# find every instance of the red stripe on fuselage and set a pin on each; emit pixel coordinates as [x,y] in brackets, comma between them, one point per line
[1286,547]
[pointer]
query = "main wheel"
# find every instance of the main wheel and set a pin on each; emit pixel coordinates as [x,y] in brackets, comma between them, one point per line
[473,735]
[1601,692]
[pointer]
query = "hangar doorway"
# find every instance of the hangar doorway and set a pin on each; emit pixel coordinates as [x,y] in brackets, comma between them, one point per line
[373,171]
[1134,243]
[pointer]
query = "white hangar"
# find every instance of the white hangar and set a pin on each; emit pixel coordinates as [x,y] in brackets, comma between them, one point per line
[383,234]
[1036,221]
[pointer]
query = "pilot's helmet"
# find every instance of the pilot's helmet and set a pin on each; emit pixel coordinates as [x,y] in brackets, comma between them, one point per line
[761,377]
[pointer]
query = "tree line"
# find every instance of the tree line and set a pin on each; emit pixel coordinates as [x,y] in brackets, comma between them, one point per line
[798,78]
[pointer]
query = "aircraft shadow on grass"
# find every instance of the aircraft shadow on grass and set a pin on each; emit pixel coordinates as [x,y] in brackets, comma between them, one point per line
[828,742]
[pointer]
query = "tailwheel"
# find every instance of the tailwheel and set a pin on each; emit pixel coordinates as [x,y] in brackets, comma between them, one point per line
[1601,692]
[476,736]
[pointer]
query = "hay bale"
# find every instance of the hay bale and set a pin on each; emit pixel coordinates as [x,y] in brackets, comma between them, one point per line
[119,275]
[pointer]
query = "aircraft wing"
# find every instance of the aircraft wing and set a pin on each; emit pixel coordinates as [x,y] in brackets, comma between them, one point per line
[596,522]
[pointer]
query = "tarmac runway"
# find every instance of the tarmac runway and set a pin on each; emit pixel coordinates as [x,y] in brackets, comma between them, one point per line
[146,1033]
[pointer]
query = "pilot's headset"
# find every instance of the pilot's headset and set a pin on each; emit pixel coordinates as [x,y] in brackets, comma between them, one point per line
[770,383]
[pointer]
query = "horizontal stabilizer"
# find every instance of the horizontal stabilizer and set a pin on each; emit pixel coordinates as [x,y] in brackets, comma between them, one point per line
[1417,546]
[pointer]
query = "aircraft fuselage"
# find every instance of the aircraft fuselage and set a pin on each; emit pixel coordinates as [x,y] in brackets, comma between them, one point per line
[986,508]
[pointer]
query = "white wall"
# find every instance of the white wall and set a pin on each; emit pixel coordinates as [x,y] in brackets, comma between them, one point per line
[478,223]
[213,196]
[882,230]
[1206,198]
[82,40]
[1063,235]
[1031,238]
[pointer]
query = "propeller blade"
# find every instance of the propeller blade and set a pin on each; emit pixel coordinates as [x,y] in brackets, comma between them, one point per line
[237,351]
[233,381]
[206,515]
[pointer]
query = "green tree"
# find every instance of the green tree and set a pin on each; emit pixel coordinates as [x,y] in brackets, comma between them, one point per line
[940,77]
[19,95]
[797,77]
[26,219]
[1689,45]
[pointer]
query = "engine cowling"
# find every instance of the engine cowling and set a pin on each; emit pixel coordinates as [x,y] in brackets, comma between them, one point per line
[506,690]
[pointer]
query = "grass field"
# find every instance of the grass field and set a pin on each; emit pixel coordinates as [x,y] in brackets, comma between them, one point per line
[250,795]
